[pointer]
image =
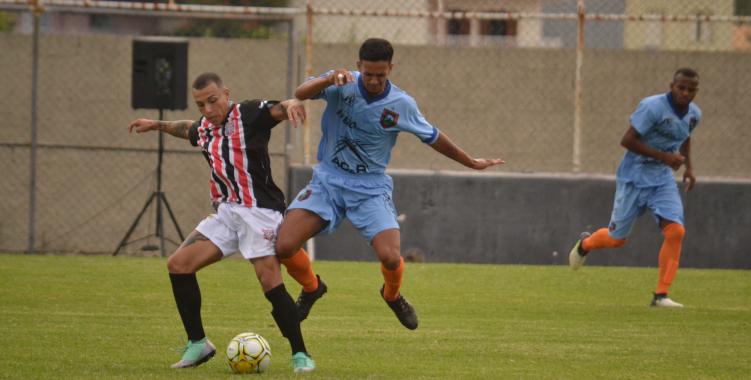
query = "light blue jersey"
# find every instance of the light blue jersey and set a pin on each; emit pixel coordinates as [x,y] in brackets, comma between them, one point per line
[358,133]
[359,130]
[643,182]
[662,128]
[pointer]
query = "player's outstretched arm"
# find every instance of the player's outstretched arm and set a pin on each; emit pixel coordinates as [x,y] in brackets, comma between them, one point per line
[175,128]
[313,87]
[446,147]
[632,141]
[290,109]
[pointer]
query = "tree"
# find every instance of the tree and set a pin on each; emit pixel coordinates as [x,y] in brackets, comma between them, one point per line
[230,28]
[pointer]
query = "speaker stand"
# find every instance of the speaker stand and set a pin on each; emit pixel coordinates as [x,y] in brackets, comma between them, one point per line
[161,199]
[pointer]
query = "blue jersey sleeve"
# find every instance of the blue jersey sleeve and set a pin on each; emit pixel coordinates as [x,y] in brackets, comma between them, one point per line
[644,117]
[331,92]
[414,123]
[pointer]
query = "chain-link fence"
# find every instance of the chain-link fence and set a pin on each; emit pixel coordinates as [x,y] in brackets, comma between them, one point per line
[548,85]
[91,178]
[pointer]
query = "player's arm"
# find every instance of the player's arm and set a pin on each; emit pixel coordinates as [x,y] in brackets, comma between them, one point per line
[688,174]
[313,87]
[290,109]
[448,148]
[632,141]
[177,128]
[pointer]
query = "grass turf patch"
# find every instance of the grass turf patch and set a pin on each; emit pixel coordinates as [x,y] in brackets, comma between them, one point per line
[114,317]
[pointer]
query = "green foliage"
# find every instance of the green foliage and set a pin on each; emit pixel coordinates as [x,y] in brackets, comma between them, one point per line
[106,318]
[743,7]
[229,28]
[7,21]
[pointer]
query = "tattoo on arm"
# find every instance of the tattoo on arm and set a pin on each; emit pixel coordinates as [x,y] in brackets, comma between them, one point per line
[176,128]
[192,238]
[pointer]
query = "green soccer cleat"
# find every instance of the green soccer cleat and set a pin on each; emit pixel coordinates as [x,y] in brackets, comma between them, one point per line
[578,256]
[301,362]
[196,353]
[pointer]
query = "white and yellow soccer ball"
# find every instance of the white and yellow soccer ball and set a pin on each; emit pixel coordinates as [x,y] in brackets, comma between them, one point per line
[248,353]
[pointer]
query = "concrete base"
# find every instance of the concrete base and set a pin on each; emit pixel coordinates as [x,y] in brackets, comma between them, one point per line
[535,219]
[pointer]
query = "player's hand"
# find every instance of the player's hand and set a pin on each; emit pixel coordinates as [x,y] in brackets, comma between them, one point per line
[340,77]
[674,160]
[295,112]
[143,125]
[688,180]
[483,163]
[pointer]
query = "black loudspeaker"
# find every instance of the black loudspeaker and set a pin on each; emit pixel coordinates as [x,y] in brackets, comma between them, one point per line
[160,73]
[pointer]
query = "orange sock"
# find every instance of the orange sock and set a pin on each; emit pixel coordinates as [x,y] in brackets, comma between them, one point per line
[670,253]
[392,280]
[299,267]
[601,239]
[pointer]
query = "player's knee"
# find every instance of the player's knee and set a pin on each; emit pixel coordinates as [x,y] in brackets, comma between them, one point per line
[674,231]
[390,258]
[178,265]
[285,248]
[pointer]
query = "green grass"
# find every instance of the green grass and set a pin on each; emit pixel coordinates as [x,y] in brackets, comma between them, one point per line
[72,317]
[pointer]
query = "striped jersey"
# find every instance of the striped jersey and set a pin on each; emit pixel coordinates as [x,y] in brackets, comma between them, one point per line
[238,155]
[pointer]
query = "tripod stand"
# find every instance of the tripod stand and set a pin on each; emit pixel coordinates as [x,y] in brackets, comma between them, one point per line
[160,198]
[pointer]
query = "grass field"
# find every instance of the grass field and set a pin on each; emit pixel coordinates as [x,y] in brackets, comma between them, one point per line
[70,317]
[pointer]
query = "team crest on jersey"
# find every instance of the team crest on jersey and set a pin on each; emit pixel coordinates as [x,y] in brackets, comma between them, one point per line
[229,129]
[389,118]
[692,123]
[304,195]
[269,234]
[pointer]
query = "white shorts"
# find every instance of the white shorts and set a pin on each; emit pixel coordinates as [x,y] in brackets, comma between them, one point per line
[250,230]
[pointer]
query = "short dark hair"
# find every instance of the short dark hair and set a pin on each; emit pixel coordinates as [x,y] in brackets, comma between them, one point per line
[376,49]
[205,79]
[686,72]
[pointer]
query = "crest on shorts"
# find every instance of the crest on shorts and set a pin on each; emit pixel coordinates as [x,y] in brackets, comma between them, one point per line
[304,195]
[269,234]
[612,226]
[389,118]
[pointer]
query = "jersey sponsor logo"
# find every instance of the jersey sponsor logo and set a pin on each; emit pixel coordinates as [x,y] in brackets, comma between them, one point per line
[389,118]
[356,169]
[304,195]
[346,120]
[357,148]
[670,129]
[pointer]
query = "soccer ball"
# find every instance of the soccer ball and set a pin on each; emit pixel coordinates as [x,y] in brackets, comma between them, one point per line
[248,353]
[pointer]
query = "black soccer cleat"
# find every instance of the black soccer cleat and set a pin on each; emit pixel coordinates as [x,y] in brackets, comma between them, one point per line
[306,300]
[403,310]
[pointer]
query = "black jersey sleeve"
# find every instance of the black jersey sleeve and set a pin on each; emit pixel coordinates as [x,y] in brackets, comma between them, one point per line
[193,132]
[257,113]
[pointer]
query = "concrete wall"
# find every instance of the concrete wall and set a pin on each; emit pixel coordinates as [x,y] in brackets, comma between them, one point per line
[535,219]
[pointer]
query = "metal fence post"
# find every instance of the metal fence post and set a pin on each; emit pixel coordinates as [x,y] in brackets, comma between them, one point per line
[578,85]
[36,14]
